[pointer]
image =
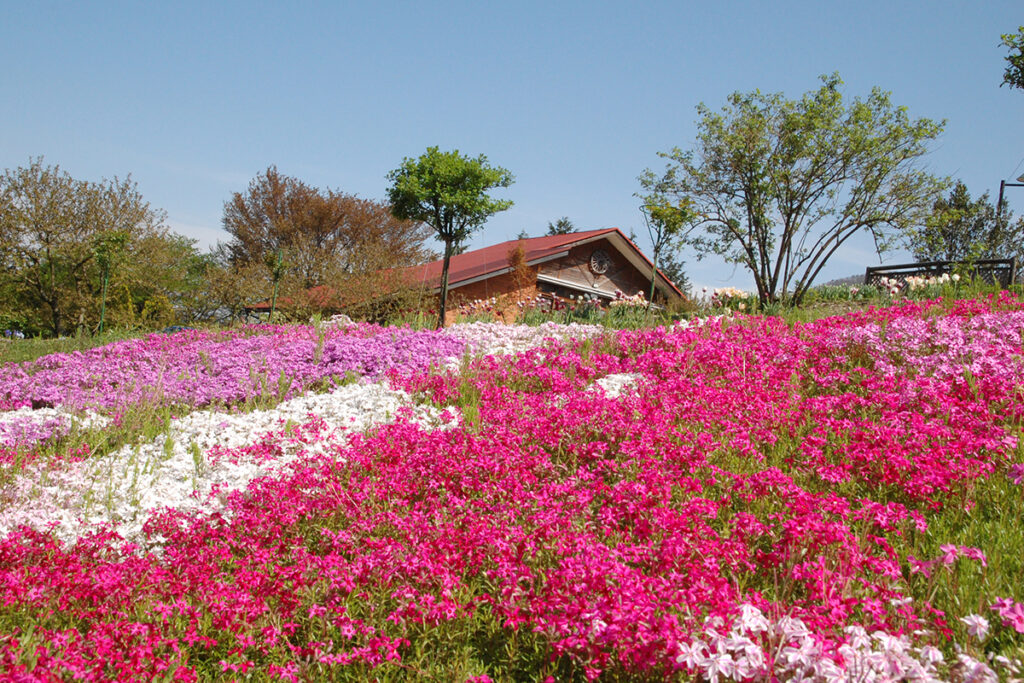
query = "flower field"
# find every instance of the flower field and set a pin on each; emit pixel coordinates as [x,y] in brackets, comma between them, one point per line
[729,499]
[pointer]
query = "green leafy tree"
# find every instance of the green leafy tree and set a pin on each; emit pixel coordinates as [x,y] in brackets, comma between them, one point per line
[50,224]
[448,192]
[108,249]
[1013,76]
[563,226]
[170,267]
[673,267]
[963,229]
[666,218]
[779,185]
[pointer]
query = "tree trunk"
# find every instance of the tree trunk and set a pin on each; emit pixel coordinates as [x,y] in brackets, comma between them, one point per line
[55,318]
[448,249]
[103,300]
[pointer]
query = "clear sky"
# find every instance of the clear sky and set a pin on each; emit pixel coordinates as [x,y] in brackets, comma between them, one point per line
[575,98]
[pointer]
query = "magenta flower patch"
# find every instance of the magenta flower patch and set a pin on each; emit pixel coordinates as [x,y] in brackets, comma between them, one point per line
[728,501]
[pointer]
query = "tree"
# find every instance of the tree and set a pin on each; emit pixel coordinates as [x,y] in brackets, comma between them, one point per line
[448,192]
[563,226]
[167,269]
[108,249]
[1013,76]
[301,237]
[673,267]
[316,231]
[50,225]
[665,218]
[779,185]
[962,229]
[230,285]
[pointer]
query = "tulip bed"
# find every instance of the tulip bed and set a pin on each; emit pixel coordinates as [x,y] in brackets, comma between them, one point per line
[731,499]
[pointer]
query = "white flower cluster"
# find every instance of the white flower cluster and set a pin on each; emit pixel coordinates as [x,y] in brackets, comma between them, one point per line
[730,297]
[799,656]
[915,283]
[338,320]
[486,339]
[615,385]
[179,469]
[638,300]
[730,293]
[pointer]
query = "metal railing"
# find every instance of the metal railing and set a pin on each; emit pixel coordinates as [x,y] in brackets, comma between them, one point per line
[1002,272]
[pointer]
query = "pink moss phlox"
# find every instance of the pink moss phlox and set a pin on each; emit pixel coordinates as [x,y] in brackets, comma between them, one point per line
[198,368]
[694,525]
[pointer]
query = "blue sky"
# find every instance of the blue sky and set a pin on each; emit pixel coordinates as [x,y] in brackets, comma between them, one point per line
[575,98]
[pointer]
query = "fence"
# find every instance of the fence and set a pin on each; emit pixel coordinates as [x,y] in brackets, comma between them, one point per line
[1002,272]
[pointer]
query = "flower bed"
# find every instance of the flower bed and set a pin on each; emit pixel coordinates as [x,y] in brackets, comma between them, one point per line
[739,500]
[197,368]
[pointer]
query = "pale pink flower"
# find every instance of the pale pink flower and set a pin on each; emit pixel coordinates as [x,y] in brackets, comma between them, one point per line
[977,625]
[692,654]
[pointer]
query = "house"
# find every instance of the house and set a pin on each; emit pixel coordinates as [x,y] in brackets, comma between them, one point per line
[598,263]
[595,263]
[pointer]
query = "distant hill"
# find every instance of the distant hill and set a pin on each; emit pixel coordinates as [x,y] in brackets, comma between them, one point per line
[848,280]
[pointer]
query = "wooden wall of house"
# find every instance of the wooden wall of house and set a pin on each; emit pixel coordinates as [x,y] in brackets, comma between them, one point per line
[575,268]
[508,288]
[500,285]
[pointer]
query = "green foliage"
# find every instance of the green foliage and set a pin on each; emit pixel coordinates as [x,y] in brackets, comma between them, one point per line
[448,192]
[832,293]
[157,311]
[107,249]
[563,226]
[673,267]
[778,185]
[1013,76]
[63,242]
[962,229]
[666,217]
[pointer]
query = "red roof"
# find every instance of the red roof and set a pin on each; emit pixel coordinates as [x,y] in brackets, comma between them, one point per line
[493,260]
[320,296]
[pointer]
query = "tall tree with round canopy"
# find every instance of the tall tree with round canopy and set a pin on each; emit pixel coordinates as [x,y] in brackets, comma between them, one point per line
[448,192]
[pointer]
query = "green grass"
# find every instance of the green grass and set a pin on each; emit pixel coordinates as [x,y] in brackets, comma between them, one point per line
[20,350]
